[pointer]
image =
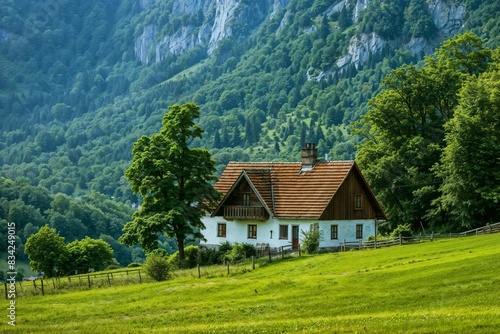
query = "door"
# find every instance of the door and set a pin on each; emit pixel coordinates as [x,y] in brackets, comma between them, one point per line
[295,237]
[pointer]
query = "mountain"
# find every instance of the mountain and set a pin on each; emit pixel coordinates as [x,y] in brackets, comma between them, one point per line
[80,82]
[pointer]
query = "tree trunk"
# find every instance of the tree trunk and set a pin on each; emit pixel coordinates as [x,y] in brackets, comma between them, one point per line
[180,245]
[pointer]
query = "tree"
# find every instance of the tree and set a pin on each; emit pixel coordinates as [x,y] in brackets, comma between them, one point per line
[470,165]
[404,129]
[174,181]
[88,253]
[47,252]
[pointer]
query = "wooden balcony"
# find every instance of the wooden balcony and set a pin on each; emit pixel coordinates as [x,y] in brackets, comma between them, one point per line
[245,212]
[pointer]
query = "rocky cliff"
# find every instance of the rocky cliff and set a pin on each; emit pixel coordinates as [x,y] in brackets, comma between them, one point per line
[221,19]
[225,19]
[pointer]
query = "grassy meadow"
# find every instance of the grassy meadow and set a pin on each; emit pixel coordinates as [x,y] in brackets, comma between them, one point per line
[445,286]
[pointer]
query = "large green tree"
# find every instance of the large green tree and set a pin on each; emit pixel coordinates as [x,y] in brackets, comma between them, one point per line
[404,129]
[47,252]
[174,180]
[470,165]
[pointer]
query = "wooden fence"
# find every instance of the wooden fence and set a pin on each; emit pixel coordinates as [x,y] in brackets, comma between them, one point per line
[360,244]
[43,286]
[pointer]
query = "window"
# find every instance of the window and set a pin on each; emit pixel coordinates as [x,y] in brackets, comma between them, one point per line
[334,232]
[359,231]
[246,199]
[221,230]
[284,232]
[358,202]
[252,231]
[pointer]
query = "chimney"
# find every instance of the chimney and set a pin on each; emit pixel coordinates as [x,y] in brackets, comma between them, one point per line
[309,156]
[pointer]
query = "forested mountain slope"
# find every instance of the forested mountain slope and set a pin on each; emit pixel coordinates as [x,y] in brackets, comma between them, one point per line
[81,81]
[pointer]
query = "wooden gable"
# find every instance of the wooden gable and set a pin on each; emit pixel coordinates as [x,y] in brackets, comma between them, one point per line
[353,200]
[247,198]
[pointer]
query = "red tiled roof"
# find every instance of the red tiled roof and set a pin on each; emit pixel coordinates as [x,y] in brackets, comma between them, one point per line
[286,189]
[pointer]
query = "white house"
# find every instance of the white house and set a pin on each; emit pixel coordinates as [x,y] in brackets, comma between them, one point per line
[269,203]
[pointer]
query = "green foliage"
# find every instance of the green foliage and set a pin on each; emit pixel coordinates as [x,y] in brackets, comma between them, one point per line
[174,181]
[311,239]
[157,267]
[236,254]
[190,259]
[89,254]
[47,252]
[134,265]
[470,166]
[403,230]
[404,131]
[208,256]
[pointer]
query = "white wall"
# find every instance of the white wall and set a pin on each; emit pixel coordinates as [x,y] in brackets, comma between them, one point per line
[237,230]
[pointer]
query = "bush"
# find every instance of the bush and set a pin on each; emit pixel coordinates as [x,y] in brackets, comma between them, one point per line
[237,253]
[190,258]
[112,266]
[311,239]
[134,265]
[157,267]
[160,252]
[208,256]
[249,250]
[404,230]
[224,249]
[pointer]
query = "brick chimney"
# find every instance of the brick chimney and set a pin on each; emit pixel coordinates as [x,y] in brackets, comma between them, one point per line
[309,156]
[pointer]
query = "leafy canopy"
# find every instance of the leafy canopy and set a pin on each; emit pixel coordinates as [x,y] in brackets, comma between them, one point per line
[174,180]
[47,252]
[405,129]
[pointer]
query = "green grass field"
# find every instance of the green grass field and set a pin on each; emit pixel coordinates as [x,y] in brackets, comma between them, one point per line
[445,286]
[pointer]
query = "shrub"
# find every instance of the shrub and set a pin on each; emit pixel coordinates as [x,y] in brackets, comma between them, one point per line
[224,249]
[157,267]
[311,239]
[112,266]
[237,253]
[190,258]
[134,265]
[249,250]
[160,252]
[404,230]
[208,256]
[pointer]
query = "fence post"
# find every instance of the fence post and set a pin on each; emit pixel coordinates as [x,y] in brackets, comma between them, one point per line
[432,236]
[140,278]
[199,272]
[88,279]
[400,239]
[53,284]
[344,245]
[282,254]
[270,259]
[253,262]
[109,281]
[43,291]
[227,268]
[359,244]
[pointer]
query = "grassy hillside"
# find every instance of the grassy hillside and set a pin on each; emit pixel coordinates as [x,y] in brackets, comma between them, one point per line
[445,286]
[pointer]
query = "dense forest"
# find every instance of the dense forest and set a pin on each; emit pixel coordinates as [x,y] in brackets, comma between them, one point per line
[75,95]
